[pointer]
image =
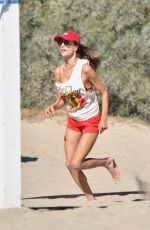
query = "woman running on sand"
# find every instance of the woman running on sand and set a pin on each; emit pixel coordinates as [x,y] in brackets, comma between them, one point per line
[76,82]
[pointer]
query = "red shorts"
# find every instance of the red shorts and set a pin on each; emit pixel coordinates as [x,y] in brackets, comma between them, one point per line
[87,126]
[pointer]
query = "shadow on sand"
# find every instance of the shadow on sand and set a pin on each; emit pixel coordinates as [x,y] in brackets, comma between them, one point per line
[28,159]
[71,196]
[61,208]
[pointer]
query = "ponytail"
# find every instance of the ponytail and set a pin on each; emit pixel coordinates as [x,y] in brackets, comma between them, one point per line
[87,53]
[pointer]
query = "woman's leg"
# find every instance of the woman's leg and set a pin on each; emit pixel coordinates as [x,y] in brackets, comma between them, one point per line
[109,163]
[71,141]
[77,147]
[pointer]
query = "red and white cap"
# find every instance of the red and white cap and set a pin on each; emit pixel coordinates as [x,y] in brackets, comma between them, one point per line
[69,36]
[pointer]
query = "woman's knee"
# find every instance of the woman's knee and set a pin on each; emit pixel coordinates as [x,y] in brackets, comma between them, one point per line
[73,165]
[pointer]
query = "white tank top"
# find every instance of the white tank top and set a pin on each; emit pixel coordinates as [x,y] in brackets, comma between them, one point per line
[80,104]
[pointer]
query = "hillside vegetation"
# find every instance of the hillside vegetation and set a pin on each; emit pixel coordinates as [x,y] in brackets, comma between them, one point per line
[118,30]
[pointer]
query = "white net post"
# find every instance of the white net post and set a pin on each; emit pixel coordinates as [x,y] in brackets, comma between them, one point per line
[10,184]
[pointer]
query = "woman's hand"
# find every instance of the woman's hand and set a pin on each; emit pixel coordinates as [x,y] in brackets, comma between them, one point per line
[102,126]
[50,110]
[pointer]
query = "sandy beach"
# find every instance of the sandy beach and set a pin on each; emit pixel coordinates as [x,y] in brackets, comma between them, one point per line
[50,198]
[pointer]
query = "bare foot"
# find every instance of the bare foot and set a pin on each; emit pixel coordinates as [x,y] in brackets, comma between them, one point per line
[113,169]
[90,197]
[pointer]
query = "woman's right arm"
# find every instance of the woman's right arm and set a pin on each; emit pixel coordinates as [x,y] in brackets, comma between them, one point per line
[59,103]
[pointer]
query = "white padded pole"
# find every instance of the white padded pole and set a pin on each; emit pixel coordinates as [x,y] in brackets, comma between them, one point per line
[10,188]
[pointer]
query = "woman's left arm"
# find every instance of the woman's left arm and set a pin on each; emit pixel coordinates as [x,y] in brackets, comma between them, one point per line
[90,75]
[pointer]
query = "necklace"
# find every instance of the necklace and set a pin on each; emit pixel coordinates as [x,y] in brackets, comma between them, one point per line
[67,67]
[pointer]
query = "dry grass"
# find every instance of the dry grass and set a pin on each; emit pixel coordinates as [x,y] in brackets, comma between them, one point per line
[38,115]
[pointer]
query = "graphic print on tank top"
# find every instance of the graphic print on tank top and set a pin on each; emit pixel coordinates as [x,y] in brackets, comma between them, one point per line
[74,99]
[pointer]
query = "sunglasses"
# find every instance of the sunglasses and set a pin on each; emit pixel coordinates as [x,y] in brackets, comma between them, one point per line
[67,43]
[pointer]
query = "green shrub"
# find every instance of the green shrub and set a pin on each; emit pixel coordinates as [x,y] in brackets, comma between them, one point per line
[118,30]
